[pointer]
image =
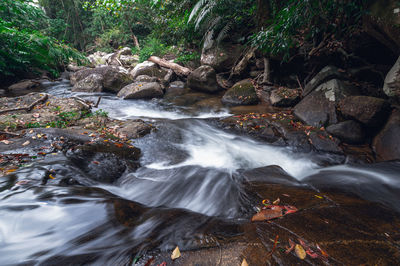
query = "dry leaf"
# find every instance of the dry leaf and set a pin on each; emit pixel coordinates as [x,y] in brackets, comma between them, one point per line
[176,253]
[300,252]
[244,263]
[26,143]
[265,215]
[6,142]
[36,115]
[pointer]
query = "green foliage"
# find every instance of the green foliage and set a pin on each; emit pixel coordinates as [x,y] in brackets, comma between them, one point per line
[300,22]
[101,113]
[152,46]
[187,56]
[24,48]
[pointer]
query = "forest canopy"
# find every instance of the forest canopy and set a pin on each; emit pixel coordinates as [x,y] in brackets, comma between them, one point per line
[45,34]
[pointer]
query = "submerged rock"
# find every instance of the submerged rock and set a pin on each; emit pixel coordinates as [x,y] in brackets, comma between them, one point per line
[370,111]
[387,143]
[242,93]
[203,79]
[141,90]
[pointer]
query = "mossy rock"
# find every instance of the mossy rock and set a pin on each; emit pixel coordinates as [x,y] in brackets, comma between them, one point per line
[242,93]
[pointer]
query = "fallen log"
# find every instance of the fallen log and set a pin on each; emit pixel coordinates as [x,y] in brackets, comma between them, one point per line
[178,69]
[27,108]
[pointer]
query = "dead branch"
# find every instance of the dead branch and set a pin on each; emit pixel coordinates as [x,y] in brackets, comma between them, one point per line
[27,108]
[98,102]
[178,69]
[82,102]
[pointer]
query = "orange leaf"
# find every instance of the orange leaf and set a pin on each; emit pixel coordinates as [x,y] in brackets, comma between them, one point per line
[265,215]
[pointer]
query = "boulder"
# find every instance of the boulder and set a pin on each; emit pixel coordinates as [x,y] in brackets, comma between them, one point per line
[129,60]
[148,68]
[285,97]
[23,87]
[114,79]
[324,143]
[391,86]
[141,90]
[145,78]
[92,83]
[386,144]
[242,93]
[348,131]
[319,107]
[123,57]
[221,57]
[203,79]
[370,111]
[326,74]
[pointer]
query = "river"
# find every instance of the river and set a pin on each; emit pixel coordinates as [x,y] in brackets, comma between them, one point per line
[188,166]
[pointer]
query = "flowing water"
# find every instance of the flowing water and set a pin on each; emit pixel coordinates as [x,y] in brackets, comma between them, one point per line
[189,168]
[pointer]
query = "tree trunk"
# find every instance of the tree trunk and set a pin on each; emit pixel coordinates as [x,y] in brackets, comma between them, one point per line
[178,69]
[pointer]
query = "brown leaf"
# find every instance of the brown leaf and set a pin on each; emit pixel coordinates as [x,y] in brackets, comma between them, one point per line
[291,246]
[176,253]
[277,201]
[244,263]
[299,250]
[265,215]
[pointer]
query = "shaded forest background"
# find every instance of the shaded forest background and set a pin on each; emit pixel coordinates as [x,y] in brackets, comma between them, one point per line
[46,35]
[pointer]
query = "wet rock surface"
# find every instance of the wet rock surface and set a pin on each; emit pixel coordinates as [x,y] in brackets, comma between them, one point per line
[348,131]
[141,90]
[242,93]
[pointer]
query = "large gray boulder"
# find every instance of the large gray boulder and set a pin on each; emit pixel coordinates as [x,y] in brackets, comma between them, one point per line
[141,90]
[370,111]
[221,57]
[319,107]
[92,83]
[386,144]
[148,68]
[391,86]
[114,79]
[203,79]
[242,93]
[326,74]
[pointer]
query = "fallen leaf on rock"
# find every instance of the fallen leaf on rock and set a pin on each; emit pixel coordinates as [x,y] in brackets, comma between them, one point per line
[31,131]
[6,142]
[244,263]
[322,251]
[176,253]
[312,254]
[36,115]
[26,143]
[299,250]
[266,214]
[95,162]
[162,264]
[119,145]
[51,177]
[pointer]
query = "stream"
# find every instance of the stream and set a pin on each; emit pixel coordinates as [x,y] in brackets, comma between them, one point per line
[189,168]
